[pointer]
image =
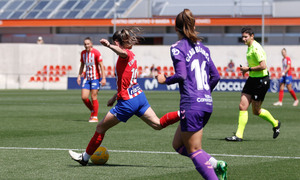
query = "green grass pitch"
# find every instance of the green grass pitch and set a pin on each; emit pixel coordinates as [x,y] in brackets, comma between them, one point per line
[37,127]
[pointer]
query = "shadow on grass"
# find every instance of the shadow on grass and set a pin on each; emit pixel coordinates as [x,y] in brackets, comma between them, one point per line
[78,120]
[244,140]
[124,165]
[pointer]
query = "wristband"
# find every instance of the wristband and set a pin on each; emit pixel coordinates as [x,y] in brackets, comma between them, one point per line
[250,69]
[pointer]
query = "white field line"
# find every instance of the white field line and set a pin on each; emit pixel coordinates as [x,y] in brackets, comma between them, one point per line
[148,152]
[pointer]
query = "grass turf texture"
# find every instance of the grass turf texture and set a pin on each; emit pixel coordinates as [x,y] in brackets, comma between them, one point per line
[59,119]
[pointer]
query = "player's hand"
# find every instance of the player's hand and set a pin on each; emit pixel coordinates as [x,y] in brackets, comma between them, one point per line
[161,78]
[103,82]
[79,80]
[283,74]
[244,69]
[111,102]
[105,42]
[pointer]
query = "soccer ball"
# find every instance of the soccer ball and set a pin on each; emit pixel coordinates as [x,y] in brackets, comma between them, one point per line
[100,156]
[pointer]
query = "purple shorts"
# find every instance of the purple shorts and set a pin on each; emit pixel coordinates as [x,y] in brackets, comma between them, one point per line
[193,120]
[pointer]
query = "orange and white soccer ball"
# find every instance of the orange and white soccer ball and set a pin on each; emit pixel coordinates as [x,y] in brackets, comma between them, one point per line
[100,156]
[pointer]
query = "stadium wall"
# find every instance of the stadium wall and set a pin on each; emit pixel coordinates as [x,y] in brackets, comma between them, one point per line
[21,62]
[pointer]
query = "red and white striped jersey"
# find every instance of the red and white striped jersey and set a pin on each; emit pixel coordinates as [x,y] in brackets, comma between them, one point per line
[126,70]
[91,60]
[285,62]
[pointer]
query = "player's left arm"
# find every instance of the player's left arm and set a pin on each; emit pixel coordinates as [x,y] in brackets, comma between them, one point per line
[287,67]
[214,76]
[112,100]
[101,67]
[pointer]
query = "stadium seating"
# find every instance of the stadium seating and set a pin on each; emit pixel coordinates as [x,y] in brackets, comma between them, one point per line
[64,9]
[52,74]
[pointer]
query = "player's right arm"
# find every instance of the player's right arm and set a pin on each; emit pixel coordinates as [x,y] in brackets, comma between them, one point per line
[80,73]
[120,52]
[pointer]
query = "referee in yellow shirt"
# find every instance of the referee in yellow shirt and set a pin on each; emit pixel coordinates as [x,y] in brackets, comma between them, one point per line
[255,88]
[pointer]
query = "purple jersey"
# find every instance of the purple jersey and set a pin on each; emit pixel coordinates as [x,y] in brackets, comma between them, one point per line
[196,74]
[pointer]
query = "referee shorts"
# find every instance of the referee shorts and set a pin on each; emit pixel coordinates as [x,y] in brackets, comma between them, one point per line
[257,87]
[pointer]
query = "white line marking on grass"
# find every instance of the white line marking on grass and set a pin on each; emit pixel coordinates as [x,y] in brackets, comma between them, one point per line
[149,152]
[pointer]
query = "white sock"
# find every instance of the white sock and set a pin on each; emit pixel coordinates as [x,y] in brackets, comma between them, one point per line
[213,162]
[86,157]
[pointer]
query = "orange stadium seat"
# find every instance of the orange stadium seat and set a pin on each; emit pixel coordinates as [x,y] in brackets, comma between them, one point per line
[69,68]
[63,68]
[225,69]
[238,69]
[165,69]
[273,75]
[44,79]
[50,79]
[31,79]
[233,75]
[219,69]
[171,68]
[38,79]
[226,75]
[158,68]
[240,75]
[57,73]
[140,69]
[56,79]
[57,67]
[298,69]
[45,68]
[272,69]
[38,73]
[278,69]
[63,73]
[109,74]
[140,73]
[292,69]
[109,68]
[51,68]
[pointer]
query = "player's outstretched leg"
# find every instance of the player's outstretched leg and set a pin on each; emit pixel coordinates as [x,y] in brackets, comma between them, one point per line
[219,166]
[203,165]
[78,157]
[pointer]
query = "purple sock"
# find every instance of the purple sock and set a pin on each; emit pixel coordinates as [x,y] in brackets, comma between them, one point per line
[182,151]
[207,155]
[202,165]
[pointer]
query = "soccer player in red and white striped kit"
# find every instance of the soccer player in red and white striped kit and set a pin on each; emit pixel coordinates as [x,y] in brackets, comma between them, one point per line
[92,61]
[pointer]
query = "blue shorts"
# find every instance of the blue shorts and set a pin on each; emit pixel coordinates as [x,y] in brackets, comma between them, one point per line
[124,109]
[193,120]
[91,84]
[286,79]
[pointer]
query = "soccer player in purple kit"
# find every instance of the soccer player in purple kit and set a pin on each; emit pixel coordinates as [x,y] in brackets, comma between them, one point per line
[197,76]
